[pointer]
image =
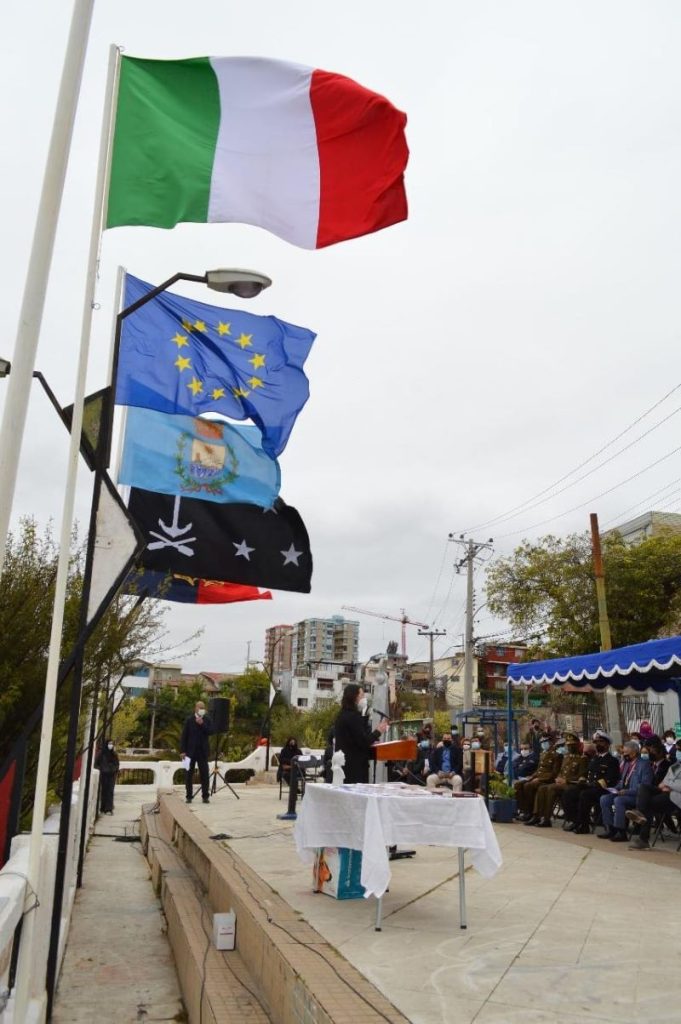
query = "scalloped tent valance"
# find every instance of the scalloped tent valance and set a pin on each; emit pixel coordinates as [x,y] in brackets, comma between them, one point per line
[655,665]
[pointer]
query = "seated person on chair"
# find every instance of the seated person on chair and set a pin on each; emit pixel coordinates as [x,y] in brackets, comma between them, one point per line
[603,773]
[635,772]
[662,797]
[288,751]
[573,768]
[445,766]
[502,759]
[415,772]
[547,770]
[526,764]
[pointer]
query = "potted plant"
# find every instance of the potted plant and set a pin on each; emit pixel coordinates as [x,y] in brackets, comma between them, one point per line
[502,803]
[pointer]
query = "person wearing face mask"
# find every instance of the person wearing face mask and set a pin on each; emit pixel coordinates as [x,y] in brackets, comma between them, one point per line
[194,745]
[108,764]
[287,752]
[446,765]
[353,734]
[602,773]
[502,760]
[573,767]
[669,740]
[547,770]
[652,798]
[526,764]
[635,771]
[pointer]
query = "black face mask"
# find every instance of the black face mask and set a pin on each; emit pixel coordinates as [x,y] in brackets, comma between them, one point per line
[601,748]
[447,743]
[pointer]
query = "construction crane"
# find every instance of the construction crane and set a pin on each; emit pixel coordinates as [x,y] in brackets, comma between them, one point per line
[393,618]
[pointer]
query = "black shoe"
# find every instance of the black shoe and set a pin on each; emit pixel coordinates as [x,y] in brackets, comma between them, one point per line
[524,816]
[533,820]
[545,823]
[583,830]
[206,800]
[188,799]
[620,836]
[610,834]
[569,826]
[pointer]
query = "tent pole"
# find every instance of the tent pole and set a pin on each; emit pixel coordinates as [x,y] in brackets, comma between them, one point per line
[612,707]
[509,729]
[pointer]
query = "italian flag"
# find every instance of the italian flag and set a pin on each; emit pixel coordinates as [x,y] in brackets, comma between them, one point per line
[309,155]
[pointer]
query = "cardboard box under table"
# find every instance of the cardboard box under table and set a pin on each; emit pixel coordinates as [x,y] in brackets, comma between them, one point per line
[337,873]
[371,818]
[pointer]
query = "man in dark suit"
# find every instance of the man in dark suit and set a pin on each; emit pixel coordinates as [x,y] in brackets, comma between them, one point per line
[635,772]
[194,745]
[446,766]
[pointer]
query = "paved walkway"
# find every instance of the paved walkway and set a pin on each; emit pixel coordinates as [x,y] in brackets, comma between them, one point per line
[566,933]
[118,964]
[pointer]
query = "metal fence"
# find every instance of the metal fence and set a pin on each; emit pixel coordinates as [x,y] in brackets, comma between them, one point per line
[638,709]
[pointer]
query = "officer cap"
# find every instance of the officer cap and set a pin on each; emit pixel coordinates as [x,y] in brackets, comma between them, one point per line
[571,737]
[600,735]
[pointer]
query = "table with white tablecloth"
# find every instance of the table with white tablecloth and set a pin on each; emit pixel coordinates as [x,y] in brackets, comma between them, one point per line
[374,818]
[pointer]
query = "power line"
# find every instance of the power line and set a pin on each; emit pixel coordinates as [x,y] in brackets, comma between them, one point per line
[528,501]
[590,501]
[644,501]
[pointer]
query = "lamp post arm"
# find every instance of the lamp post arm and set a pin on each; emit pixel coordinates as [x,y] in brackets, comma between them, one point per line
[106,434]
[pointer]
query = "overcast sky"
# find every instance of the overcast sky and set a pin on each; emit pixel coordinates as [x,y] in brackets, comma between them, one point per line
[524,314]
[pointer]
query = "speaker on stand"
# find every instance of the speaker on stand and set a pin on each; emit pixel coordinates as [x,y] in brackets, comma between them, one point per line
[218,709]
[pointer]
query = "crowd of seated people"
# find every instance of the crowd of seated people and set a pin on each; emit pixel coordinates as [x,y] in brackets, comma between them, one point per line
[625,790]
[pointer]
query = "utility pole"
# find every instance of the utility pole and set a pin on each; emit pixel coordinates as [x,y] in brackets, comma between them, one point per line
[612,709]
[432,633]
[248,653]
[471,549]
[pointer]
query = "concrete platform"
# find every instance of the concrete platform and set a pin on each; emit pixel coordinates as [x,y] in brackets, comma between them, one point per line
[567,931]
[118,965]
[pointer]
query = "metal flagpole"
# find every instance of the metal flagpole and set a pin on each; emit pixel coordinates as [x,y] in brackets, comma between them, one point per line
[35,288]
[25,966]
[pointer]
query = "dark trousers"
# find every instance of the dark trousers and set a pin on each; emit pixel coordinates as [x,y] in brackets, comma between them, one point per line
[588,797]
[107,781]
[650,801]
[202,764]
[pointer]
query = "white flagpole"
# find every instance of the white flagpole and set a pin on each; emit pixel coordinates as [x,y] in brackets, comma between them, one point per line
[26,964]
[33,302]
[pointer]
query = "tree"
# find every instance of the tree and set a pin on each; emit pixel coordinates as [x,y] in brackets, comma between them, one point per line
[546,591]
[26,597]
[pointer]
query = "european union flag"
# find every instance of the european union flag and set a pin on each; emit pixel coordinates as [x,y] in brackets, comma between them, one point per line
[181,356]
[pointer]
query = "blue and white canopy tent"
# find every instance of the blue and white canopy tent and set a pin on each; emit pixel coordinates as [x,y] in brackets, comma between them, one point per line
[655,665]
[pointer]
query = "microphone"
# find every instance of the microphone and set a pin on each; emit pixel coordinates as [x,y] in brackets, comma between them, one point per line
[377,712]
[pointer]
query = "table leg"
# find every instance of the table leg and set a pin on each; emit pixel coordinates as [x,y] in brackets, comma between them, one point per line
[462,890]
[379,913]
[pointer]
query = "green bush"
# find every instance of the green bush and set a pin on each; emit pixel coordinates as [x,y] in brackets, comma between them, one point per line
[499,789]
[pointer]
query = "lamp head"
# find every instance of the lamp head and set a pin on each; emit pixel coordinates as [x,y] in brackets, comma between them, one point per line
[244,283]
[5,367]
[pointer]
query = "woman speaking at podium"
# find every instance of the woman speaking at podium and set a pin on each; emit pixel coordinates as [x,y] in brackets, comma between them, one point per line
[353,735]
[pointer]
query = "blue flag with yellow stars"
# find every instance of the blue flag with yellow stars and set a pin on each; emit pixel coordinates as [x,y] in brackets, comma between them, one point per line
[181,356]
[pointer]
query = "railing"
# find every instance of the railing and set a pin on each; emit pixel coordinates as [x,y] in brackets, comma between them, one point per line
[13,903]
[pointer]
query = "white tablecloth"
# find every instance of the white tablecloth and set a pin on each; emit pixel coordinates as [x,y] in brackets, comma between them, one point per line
[371,818]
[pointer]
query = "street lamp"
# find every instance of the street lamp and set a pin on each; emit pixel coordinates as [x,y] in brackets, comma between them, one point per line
[244,283]
[266,727]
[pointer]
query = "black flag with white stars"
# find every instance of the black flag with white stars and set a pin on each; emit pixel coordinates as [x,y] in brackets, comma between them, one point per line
[230,542]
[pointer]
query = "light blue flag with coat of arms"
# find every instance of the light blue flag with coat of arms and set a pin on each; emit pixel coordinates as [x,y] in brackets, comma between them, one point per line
[198,457]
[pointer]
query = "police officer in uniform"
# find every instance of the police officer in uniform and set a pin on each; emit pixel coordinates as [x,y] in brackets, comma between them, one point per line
[602,773]
[574,767]
[547,770]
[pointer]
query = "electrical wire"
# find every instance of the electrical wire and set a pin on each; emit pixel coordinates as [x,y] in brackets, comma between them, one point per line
[644,501]
[522,507]
[437,582]
[584,504]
